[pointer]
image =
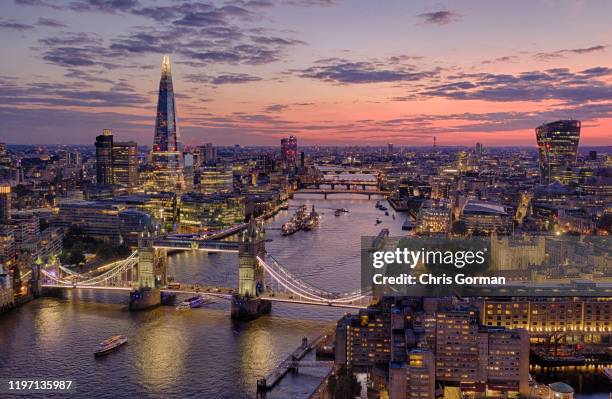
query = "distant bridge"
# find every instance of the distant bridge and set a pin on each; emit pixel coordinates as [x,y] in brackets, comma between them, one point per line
[326,192]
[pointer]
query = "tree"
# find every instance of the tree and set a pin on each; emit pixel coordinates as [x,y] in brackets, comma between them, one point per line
[605,223]
[76,257]
[459,227]
[343,384]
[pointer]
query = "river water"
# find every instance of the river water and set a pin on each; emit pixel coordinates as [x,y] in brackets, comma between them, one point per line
[200,353]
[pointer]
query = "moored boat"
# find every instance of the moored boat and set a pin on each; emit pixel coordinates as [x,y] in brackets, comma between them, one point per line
[110,344]
[408,224]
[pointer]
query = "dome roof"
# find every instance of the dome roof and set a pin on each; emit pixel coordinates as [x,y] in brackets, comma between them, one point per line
[561,387]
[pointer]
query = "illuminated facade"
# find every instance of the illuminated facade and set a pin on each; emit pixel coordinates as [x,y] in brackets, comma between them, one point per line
[550,315]
[365,339]
[214,180]
[200,213]
[96,219]
[289,152]
[5,203]
[167,155]
[469,354]
[104,158]
[7,245]
[557,148]
[125,164]
[434,217]
[486,217]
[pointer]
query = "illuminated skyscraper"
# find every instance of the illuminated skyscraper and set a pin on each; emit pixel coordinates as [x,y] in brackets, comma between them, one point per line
[104,158]
[558,148]
[167,151]
[5,202]
[289,152]
[125,164]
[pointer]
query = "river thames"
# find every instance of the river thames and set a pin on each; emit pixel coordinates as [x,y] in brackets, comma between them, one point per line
[201,353]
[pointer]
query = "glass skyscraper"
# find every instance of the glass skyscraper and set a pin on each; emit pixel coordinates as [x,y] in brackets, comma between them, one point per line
[558,148]
[289,152]
[104,158]
[167,150]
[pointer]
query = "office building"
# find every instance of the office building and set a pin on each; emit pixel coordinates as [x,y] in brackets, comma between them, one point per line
[104,158]
[5,202]
[7,245]
[125,165]
[557,148]
[200,213]
[289,151]
[208,154]
[364,339]
[99,220]
[538,315]
[214,180]
[434,217]
[486,217]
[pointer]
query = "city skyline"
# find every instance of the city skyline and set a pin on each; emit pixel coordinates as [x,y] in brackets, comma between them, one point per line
[252,72]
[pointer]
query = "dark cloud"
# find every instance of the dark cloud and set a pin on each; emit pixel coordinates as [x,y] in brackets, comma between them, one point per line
[79,74]
[107,6]
[68,95]
[276,41]
[49,22]
[506,58]
[275,108]
[309,3]
[564,52]
[38,3]
[14,25]
[342,71]
[227,78]
[442,17]
[558,84]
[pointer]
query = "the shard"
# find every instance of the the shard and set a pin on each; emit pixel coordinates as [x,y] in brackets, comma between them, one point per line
[167,150]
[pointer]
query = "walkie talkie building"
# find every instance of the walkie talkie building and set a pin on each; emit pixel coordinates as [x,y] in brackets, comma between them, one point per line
[558,148]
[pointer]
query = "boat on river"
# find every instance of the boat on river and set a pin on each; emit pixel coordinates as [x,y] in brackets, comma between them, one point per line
[111,344]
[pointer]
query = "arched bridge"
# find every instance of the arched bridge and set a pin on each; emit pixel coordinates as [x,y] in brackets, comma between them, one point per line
[277,283]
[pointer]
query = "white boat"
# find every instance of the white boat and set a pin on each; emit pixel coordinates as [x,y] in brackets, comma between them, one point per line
[110,345]
[193,302]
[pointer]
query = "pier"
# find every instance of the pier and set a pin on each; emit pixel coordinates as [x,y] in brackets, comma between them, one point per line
[292,362]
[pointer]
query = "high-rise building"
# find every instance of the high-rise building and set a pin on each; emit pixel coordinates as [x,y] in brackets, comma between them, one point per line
[558,148]
[208,154]
[289,152]
[5,202]
[390,149]
[167,150]
[214,180]
[104,158]
[125,164]
[479,149]
[69,158]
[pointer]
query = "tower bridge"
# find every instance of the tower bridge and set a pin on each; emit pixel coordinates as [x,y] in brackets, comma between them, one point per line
[262,279]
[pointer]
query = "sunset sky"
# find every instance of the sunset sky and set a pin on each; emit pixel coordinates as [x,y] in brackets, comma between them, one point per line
[328,71]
